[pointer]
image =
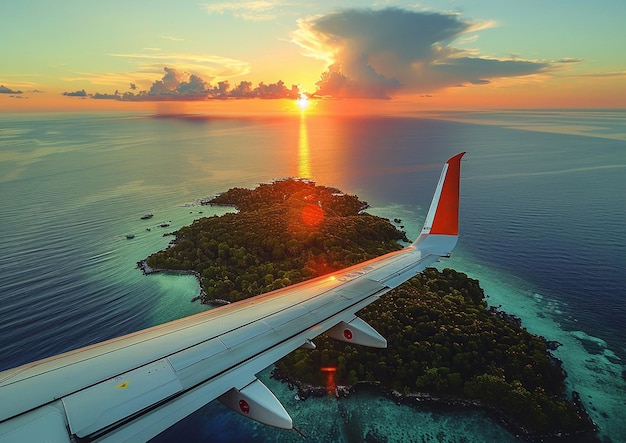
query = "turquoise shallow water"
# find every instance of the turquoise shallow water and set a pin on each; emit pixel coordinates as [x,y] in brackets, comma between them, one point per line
[362,416]
[542,228]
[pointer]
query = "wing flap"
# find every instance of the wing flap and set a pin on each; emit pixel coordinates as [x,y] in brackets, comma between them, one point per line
[361,287]
[103,404]
[190,356]
[28,427]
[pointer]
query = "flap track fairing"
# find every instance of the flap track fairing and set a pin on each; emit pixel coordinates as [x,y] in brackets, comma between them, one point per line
[257,402]
[358,332]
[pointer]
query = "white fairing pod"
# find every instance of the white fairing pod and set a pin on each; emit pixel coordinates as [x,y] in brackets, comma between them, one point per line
[358,332]
[257,402]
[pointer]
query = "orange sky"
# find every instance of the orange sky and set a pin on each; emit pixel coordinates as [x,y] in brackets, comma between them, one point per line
[439,55]
[610,93]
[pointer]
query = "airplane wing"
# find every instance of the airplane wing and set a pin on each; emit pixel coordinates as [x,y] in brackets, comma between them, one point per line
[133,387]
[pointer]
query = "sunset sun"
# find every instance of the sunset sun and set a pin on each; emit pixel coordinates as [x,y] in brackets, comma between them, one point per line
[303,102]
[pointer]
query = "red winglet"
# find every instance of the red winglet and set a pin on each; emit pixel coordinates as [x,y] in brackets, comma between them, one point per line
[446,220]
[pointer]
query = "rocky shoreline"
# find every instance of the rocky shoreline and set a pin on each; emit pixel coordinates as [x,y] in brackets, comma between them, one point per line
[426,401]
[201,297]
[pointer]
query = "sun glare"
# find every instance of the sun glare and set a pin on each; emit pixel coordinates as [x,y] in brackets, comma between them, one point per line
[303,101]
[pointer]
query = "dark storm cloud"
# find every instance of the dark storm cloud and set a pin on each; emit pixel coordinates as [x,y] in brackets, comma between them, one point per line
[376,53]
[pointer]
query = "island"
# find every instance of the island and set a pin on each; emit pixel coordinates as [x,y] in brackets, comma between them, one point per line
[445,345]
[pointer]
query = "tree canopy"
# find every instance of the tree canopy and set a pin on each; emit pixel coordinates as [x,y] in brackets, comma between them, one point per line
[283,233]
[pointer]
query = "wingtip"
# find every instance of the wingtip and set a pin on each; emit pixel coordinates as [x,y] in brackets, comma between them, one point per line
[456,159]
[446,216]
[443,214]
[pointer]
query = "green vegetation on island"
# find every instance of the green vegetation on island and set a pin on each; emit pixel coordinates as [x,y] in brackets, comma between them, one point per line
[283,233]
[442,338]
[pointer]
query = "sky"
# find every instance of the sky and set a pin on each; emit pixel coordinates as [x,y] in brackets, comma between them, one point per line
[345,55]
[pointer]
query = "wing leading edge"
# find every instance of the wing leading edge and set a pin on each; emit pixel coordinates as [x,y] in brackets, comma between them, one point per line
[133,387]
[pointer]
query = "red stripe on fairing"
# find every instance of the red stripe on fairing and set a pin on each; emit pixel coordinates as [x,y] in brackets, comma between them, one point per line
[446,220]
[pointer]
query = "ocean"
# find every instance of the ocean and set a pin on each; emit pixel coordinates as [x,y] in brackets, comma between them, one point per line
[543,227]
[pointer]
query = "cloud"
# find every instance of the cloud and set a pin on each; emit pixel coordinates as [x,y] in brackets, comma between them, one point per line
[250,10]
[179,84]
[112,79]
[200,64]
[150,66]
[175,39]
[379,53]
[99,96]
[81,93]
[176,85]
[5,90]
[612,74]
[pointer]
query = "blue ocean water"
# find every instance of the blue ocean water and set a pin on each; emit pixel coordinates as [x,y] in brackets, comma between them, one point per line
[543,228]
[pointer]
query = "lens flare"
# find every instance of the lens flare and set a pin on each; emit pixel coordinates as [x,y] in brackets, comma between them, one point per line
[312,215]
[331,386]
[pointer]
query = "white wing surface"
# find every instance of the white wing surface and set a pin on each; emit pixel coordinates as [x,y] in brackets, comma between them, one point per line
[133,387]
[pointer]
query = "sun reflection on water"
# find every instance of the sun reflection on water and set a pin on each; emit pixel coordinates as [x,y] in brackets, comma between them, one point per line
[304,160]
